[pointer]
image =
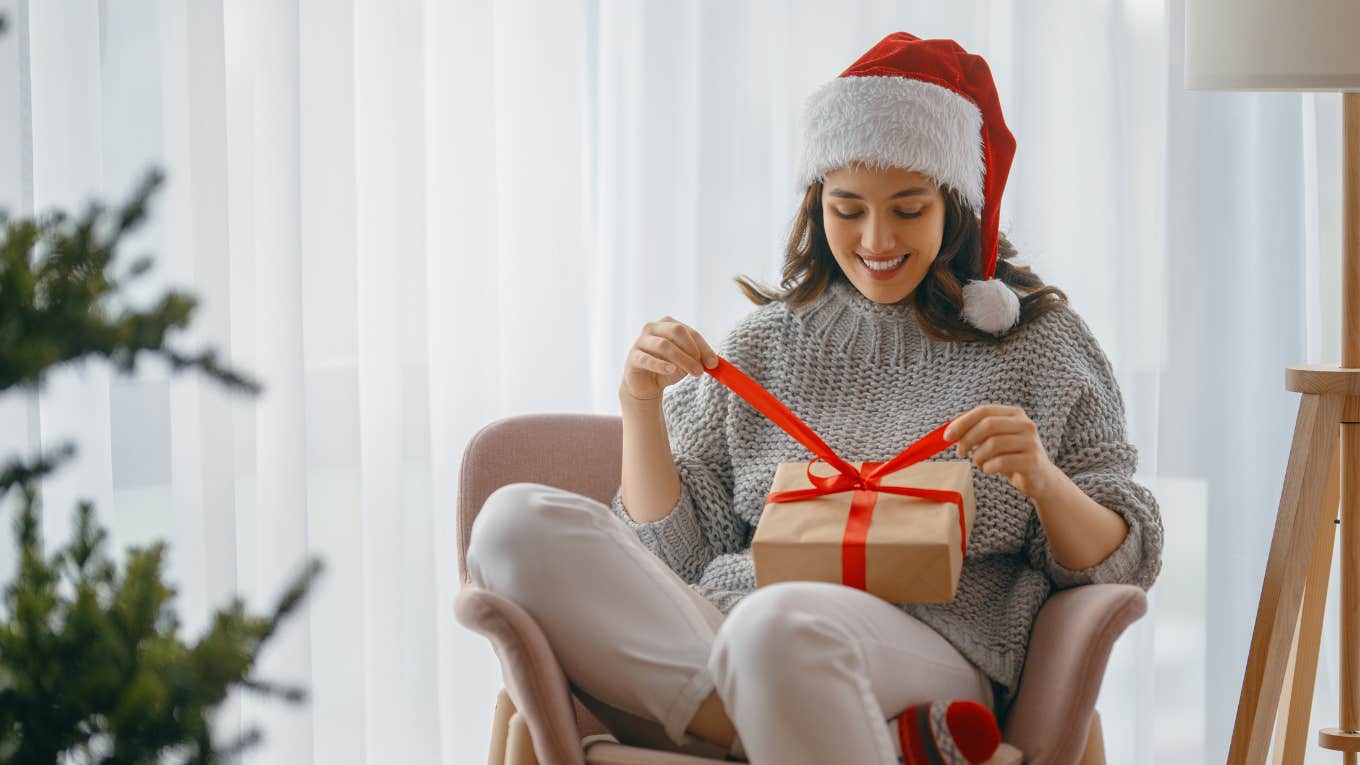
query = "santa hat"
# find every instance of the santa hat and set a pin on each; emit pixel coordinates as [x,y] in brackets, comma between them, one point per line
[928,106]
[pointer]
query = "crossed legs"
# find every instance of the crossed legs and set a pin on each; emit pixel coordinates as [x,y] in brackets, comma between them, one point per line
[806,671]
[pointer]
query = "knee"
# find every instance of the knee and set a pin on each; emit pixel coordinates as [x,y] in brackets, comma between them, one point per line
[773,634]
[514,523]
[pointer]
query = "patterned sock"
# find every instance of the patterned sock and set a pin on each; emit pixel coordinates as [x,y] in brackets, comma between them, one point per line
[945,733]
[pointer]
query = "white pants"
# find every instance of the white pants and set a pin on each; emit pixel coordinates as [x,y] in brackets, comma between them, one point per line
[808,672]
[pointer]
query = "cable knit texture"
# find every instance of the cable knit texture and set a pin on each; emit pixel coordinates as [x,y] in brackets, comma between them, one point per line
[869,381]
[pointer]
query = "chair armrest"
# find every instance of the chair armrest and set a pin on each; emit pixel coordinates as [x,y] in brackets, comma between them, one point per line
[533,677]
[1069,647]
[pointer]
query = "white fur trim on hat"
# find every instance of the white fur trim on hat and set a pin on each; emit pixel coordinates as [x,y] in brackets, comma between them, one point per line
[894,121]
[990,305]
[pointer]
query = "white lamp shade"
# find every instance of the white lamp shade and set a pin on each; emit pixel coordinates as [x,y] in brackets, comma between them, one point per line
[1272,45]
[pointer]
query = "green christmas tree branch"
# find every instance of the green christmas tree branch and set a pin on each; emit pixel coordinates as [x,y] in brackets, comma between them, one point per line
[58,277]
[17,472]
[92,666]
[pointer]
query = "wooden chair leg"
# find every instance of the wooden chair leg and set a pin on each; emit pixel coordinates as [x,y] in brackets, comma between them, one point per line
[1094,754]
[519,747]
[500,728]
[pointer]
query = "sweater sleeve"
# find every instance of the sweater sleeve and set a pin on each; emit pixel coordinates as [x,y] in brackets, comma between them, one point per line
[701,525]
[1096,454]
[728,579]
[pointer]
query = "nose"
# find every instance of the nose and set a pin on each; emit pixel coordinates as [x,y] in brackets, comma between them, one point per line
[877,238]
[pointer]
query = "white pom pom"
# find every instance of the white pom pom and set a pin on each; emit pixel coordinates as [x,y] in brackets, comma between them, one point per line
[990,305]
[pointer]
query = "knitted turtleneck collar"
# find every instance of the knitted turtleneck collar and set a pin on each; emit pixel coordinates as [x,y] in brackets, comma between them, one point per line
[847,322]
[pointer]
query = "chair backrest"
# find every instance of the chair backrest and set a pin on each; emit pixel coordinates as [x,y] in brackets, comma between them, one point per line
[577,452]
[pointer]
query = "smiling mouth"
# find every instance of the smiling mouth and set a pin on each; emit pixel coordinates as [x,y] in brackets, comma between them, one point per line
[882,265]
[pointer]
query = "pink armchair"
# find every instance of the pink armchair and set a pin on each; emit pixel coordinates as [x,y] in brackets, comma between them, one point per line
[540,717]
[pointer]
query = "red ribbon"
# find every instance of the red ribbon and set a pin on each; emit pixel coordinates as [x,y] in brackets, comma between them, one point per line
[864,482]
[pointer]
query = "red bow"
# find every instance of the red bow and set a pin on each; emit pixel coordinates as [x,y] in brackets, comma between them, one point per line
[864,482]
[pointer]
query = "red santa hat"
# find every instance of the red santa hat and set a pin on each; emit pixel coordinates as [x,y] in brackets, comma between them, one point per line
[931,107]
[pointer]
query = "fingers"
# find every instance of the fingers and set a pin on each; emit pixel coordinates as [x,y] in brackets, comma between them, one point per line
[1015,462]
[677,333]
[996,446]
[688,339]
[668,350]
[995,425]
[707,356]
[959,426]
[643,360]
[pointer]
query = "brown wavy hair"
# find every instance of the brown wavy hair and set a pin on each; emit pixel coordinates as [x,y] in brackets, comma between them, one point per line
[810,267]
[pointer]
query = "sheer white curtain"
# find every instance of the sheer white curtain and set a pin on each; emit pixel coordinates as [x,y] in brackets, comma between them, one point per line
[412,217]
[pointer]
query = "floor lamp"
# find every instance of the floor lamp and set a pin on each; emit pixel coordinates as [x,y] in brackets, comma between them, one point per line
[1301,45]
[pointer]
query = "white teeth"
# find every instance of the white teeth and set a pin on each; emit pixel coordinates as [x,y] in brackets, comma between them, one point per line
[887,267]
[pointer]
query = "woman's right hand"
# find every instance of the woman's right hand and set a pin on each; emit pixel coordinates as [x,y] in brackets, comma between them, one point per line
[663,354]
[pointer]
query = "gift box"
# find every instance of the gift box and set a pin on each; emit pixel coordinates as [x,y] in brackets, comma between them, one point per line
[904,549]
[897,529]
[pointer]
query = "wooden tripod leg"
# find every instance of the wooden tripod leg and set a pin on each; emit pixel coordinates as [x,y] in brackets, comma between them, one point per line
[1296,706]
[1345,738]
[1291,548]
[1277,742]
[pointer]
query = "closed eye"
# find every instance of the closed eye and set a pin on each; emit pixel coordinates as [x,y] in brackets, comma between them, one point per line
[900,214]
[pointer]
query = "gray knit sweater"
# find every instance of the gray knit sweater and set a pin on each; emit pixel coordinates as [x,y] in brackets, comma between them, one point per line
[867,380]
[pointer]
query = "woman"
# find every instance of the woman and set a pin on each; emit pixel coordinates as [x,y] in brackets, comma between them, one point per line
[896,315]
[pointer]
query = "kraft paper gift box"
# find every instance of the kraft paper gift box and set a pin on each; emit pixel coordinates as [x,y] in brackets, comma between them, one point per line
[897,529]
[904,549]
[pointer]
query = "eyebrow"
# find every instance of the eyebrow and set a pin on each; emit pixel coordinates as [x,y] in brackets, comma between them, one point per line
[903,193]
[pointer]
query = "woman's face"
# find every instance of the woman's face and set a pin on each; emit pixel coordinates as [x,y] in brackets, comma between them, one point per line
[881,216]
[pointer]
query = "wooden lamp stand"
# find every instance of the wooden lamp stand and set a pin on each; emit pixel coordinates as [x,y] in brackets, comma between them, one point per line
[1324,468]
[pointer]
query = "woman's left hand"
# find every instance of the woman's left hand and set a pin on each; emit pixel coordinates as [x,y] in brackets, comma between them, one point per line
[1003,439]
